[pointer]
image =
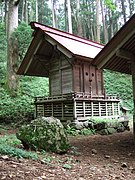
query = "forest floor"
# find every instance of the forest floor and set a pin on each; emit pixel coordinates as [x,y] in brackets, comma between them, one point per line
[93,157]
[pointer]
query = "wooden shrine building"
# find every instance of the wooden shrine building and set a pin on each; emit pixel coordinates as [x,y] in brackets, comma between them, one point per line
[76,86]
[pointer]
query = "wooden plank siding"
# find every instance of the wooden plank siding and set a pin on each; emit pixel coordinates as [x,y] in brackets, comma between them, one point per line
[60,76]
[88,79]
[78,109]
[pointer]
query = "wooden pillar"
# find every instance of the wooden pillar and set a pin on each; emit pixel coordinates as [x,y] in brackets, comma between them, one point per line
[106,109]
[62,110]
[99,108]
[83,108]
[91,108]
[75,111]
[113,109]
[133,82]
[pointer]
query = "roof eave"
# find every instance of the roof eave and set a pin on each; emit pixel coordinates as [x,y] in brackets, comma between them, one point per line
[115,44]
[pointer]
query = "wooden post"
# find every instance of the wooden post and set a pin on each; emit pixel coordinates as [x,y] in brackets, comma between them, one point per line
[62,106]
[75,113]
[52,109]
[99,109]
[133,82]
[43,110]
[113,108]
[106,109]
[91,108]
[83,108]
[118,108]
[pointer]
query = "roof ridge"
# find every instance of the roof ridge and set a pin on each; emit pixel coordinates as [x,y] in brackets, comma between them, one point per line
[64,34]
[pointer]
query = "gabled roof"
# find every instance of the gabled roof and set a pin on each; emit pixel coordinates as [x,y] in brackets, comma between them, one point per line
[76,45]
[119,51]
[46,40]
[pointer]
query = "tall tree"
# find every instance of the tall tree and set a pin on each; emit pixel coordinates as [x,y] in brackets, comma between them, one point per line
[70,30]
[104,23]
[123,10]
[54,16]
[12,49]
[97,21]
[22,14]
[36,10]
[79,19]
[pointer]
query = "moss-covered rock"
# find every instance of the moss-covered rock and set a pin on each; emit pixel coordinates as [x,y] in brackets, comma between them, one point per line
[45,133]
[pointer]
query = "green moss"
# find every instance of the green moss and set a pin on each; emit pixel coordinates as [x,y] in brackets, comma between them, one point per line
[44,133]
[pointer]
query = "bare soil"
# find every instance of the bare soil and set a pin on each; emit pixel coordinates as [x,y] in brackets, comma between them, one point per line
[91,157]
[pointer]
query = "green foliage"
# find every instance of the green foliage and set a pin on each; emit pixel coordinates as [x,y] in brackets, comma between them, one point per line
[19,108]
[71,131]
[23,35]
[16,152]
[74,132]
[34,86]
[7,144]
[110,4]
[87,131]
[3,49]
[67,166]
[13,109]
[99,120]
[121,85]
[9,140]
[44,134]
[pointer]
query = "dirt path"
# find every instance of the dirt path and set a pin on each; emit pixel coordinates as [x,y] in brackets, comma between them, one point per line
[91,157]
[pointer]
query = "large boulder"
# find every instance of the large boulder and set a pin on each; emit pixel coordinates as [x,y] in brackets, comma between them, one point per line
[45,133]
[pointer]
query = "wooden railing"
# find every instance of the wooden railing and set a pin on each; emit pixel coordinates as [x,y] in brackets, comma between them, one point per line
[75,95]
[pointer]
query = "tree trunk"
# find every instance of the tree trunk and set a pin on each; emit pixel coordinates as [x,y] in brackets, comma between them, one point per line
[26,12]
[69,17]
[79,20]
[131,7]
[66,15]
[36,10]
[6,15]
[111,24]
[97,21]
[22,15]
[104,25]
[53,3]
[12,51]
[2,11]
[123,11]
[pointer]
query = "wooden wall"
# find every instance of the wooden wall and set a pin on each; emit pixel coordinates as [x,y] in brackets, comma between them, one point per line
[60,75]
[78,76]
[88,79]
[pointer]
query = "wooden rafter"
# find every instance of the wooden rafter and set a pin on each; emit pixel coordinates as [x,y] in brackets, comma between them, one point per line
[125,54]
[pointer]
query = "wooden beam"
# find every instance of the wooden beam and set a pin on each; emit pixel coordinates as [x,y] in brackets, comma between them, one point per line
[114,50]
[59,46]
[41,57]
[29,63]
[125,54]
[133,82]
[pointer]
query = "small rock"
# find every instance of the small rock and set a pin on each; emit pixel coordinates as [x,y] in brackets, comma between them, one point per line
[131,168]
[80,178]
[107,157]
[5,157]
[129,154]
[94,151]
[115,161]
[124,165]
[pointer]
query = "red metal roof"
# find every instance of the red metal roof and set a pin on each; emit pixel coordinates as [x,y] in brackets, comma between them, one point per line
[46,41]
[76,45]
